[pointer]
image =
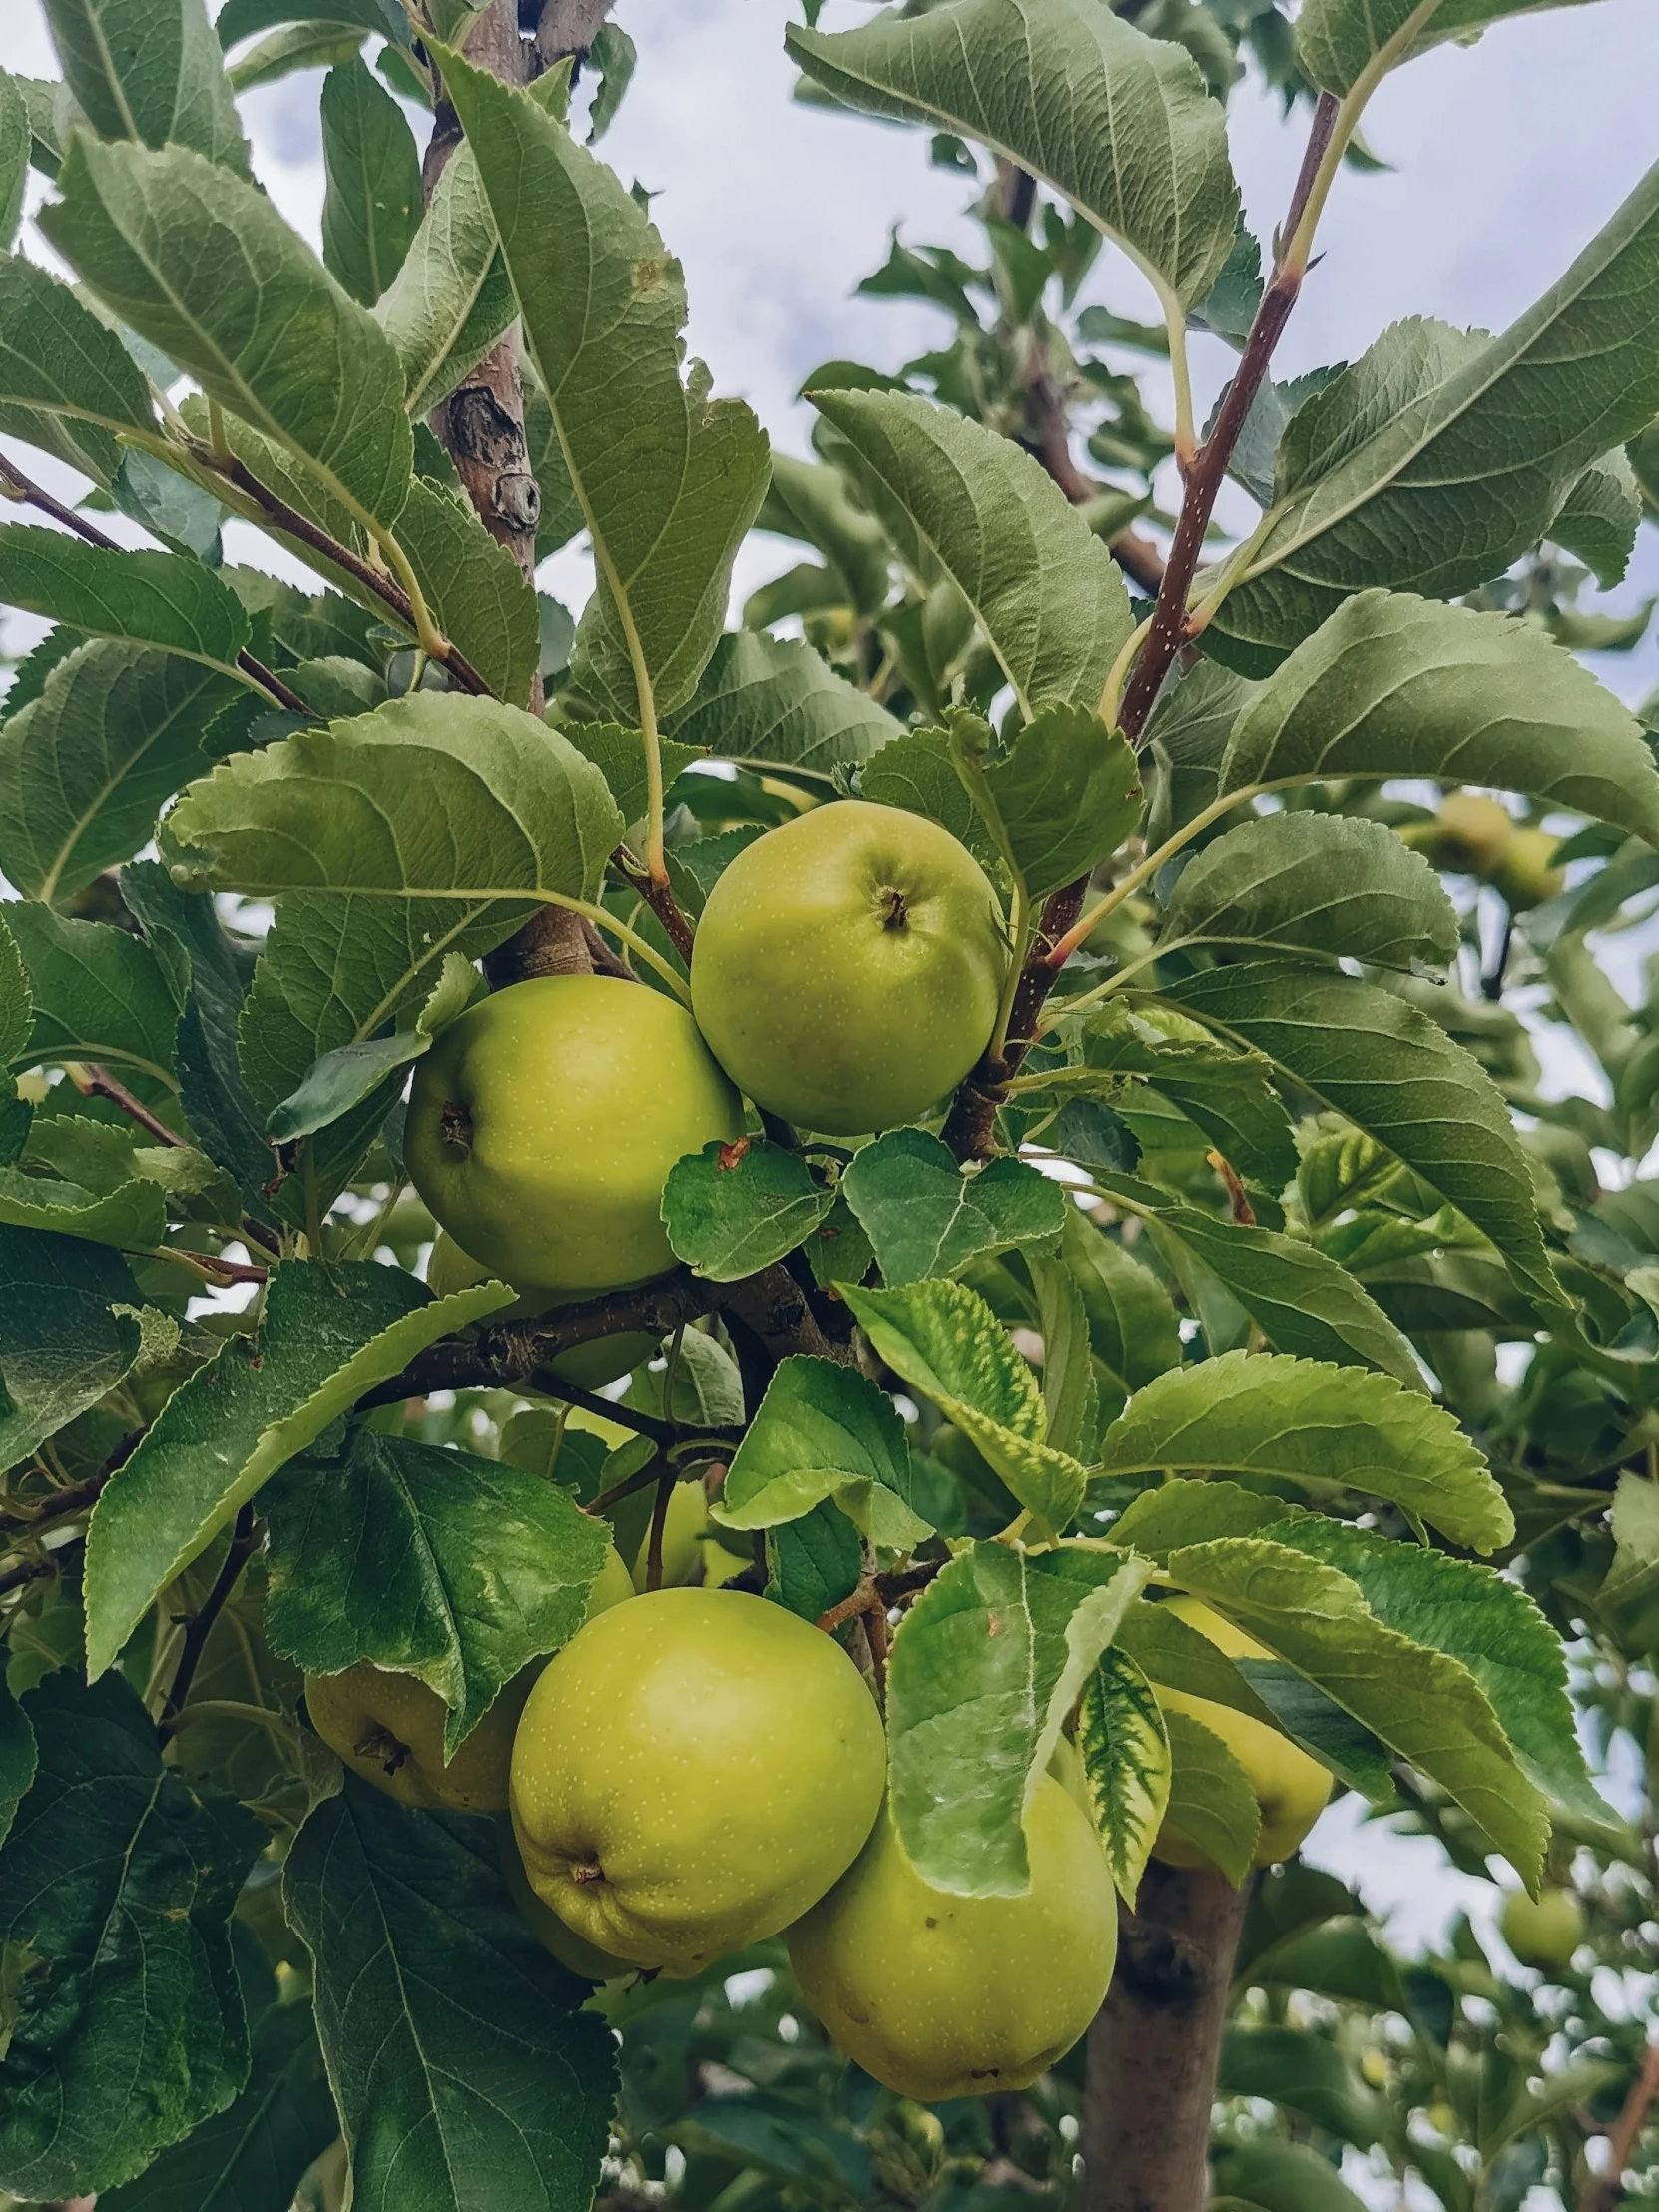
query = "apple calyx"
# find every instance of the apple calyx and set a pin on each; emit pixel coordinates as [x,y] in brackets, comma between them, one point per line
[455,1127]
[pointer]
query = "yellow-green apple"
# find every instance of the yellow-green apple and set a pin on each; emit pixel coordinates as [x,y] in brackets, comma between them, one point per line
[1545,1931]
[388,1728]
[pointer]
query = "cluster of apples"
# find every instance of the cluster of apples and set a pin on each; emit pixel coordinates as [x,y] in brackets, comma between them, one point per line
[698,1769]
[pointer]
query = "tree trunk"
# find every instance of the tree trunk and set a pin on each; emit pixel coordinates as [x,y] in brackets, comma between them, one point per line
[1155,2044]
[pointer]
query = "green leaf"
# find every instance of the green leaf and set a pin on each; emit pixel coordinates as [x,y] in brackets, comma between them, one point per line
[463,802]
[1118,123]
[17,1008]
[252,2157]
[66,381]
[917,769]
[731,1210]
[1319,1427]
[1227,1094]
[1394,685]
[1210,1800]
[120,1878]
[149,70]
[1302,2073]
[1134,1331]
[99,994]
[16,149]
[346,1076]
[1067,794]
[477,593]
[134,1215]
[373,206]
[1474,1615]
[314,45]
[1602,514]
[1071,1399]
[325,1336]
[455,2055]
[439,1564]
[204,266]
[1395,1073]
[926,1215]
[988,1663]
[668,480]
[1123,1742]
[946,1343]
[811,502]
[1435,465]
[1273,2176]
[1329,886]
[619,755]
[62,1344]
[1337,40]
[87,765]
[451,298]
[163,599]
[956,496]
[814,1562]
[1426,1705]
[824,1430]
[775,702]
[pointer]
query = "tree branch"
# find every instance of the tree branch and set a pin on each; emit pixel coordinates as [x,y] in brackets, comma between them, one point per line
[93,1080]
[676,928]
[1603,2191]
[244,1541]
[777,1309]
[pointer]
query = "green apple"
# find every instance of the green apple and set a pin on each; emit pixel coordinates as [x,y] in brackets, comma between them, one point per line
[946,1997]
[848,967]
[1545,1931]
[1469,834]
[569,1949]
[693,1770]
[543,1123]
[615,1584]
[687,1523]
[590,1366]
[1527,875]
[1290,1789]
[388,1728]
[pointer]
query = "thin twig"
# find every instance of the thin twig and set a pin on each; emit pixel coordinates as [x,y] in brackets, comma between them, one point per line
[630,1486]
[867,1598]
[659,1522]
[662,901]
[32,1571]
[245,1539]
[35,495]
[93,1080]
[1604,2190]
[209,1263]
[58,1506]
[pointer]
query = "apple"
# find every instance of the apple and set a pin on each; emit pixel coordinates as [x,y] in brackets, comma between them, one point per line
[590,1366]
[1469,834]
[685,1525]
[1526,876]
[946,1997]
[544,1924]
[1291,1787]
[613,1585]
[1543,1931]
[848,967]
[388,1728]
[693,1770]
[542,1125]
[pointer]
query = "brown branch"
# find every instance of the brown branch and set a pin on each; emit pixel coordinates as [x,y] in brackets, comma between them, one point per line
[32,1571]
[35,495]
[676,928]
[629,1487]
[57,1506]
[93,1080]
[567,30]
[209,1263]
[659,1521]
[244,1541]
[1154,2046]
[778,1310]
[1603,2191]
[867,1598]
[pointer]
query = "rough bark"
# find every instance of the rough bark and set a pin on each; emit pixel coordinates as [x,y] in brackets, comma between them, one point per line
[566,30]
[1154,2046]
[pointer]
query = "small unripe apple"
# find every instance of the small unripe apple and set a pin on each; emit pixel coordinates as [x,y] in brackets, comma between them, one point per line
[946,1997]
[1290,1789]
[1470,833]
[687,1523]
[590,1366]
[1526,876]
[614,1584]
[388,1728]
[543,1123]
[693,1770]
[848,967]
[1545,1931]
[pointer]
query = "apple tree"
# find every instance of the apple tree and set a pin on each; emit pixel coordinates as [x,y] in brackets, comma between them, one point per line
[737,1363]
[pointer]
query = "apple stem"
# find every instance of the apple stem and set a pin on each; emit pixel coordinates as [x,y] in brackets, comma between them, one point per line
[659,1521]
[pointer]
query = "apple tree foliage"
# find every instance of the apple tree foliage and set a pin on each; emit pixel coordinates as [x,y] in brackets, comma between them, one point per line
[1257,1260]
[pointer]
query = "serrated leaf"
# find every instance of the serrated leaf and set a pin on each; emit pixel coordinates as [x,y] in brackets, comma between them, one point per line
[1210,1802]
[668,480]
[731,1210]
[1337,40]
[149,70]
[1389,1070]
[16,149]
[87,765]
[1602,514]
[133,1216]
[474,587]
[619,755]
[160,599]
[1118,123]
[946,1343]
[66,382]
[450,2034]
[325,1336]
[62,1344]
[1071,1400]
[120,1878]
[201,266]
[956,496]
[1123,1742]
[811,502]
[924,1215]
[98,993]
[1329,886]
[309,45]
[1474,1615]
[345,1077]
[814,1562]
[372,206]
[990,1659]
[775,701]
[1472,460]
[824,1430]
[439,1564]
[1426,1705]
[1395,686]
[1186,738]
[917,769]
[1068,795]
[1134,1331]
[1227,1094]
[451,298]
[1303,1421]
